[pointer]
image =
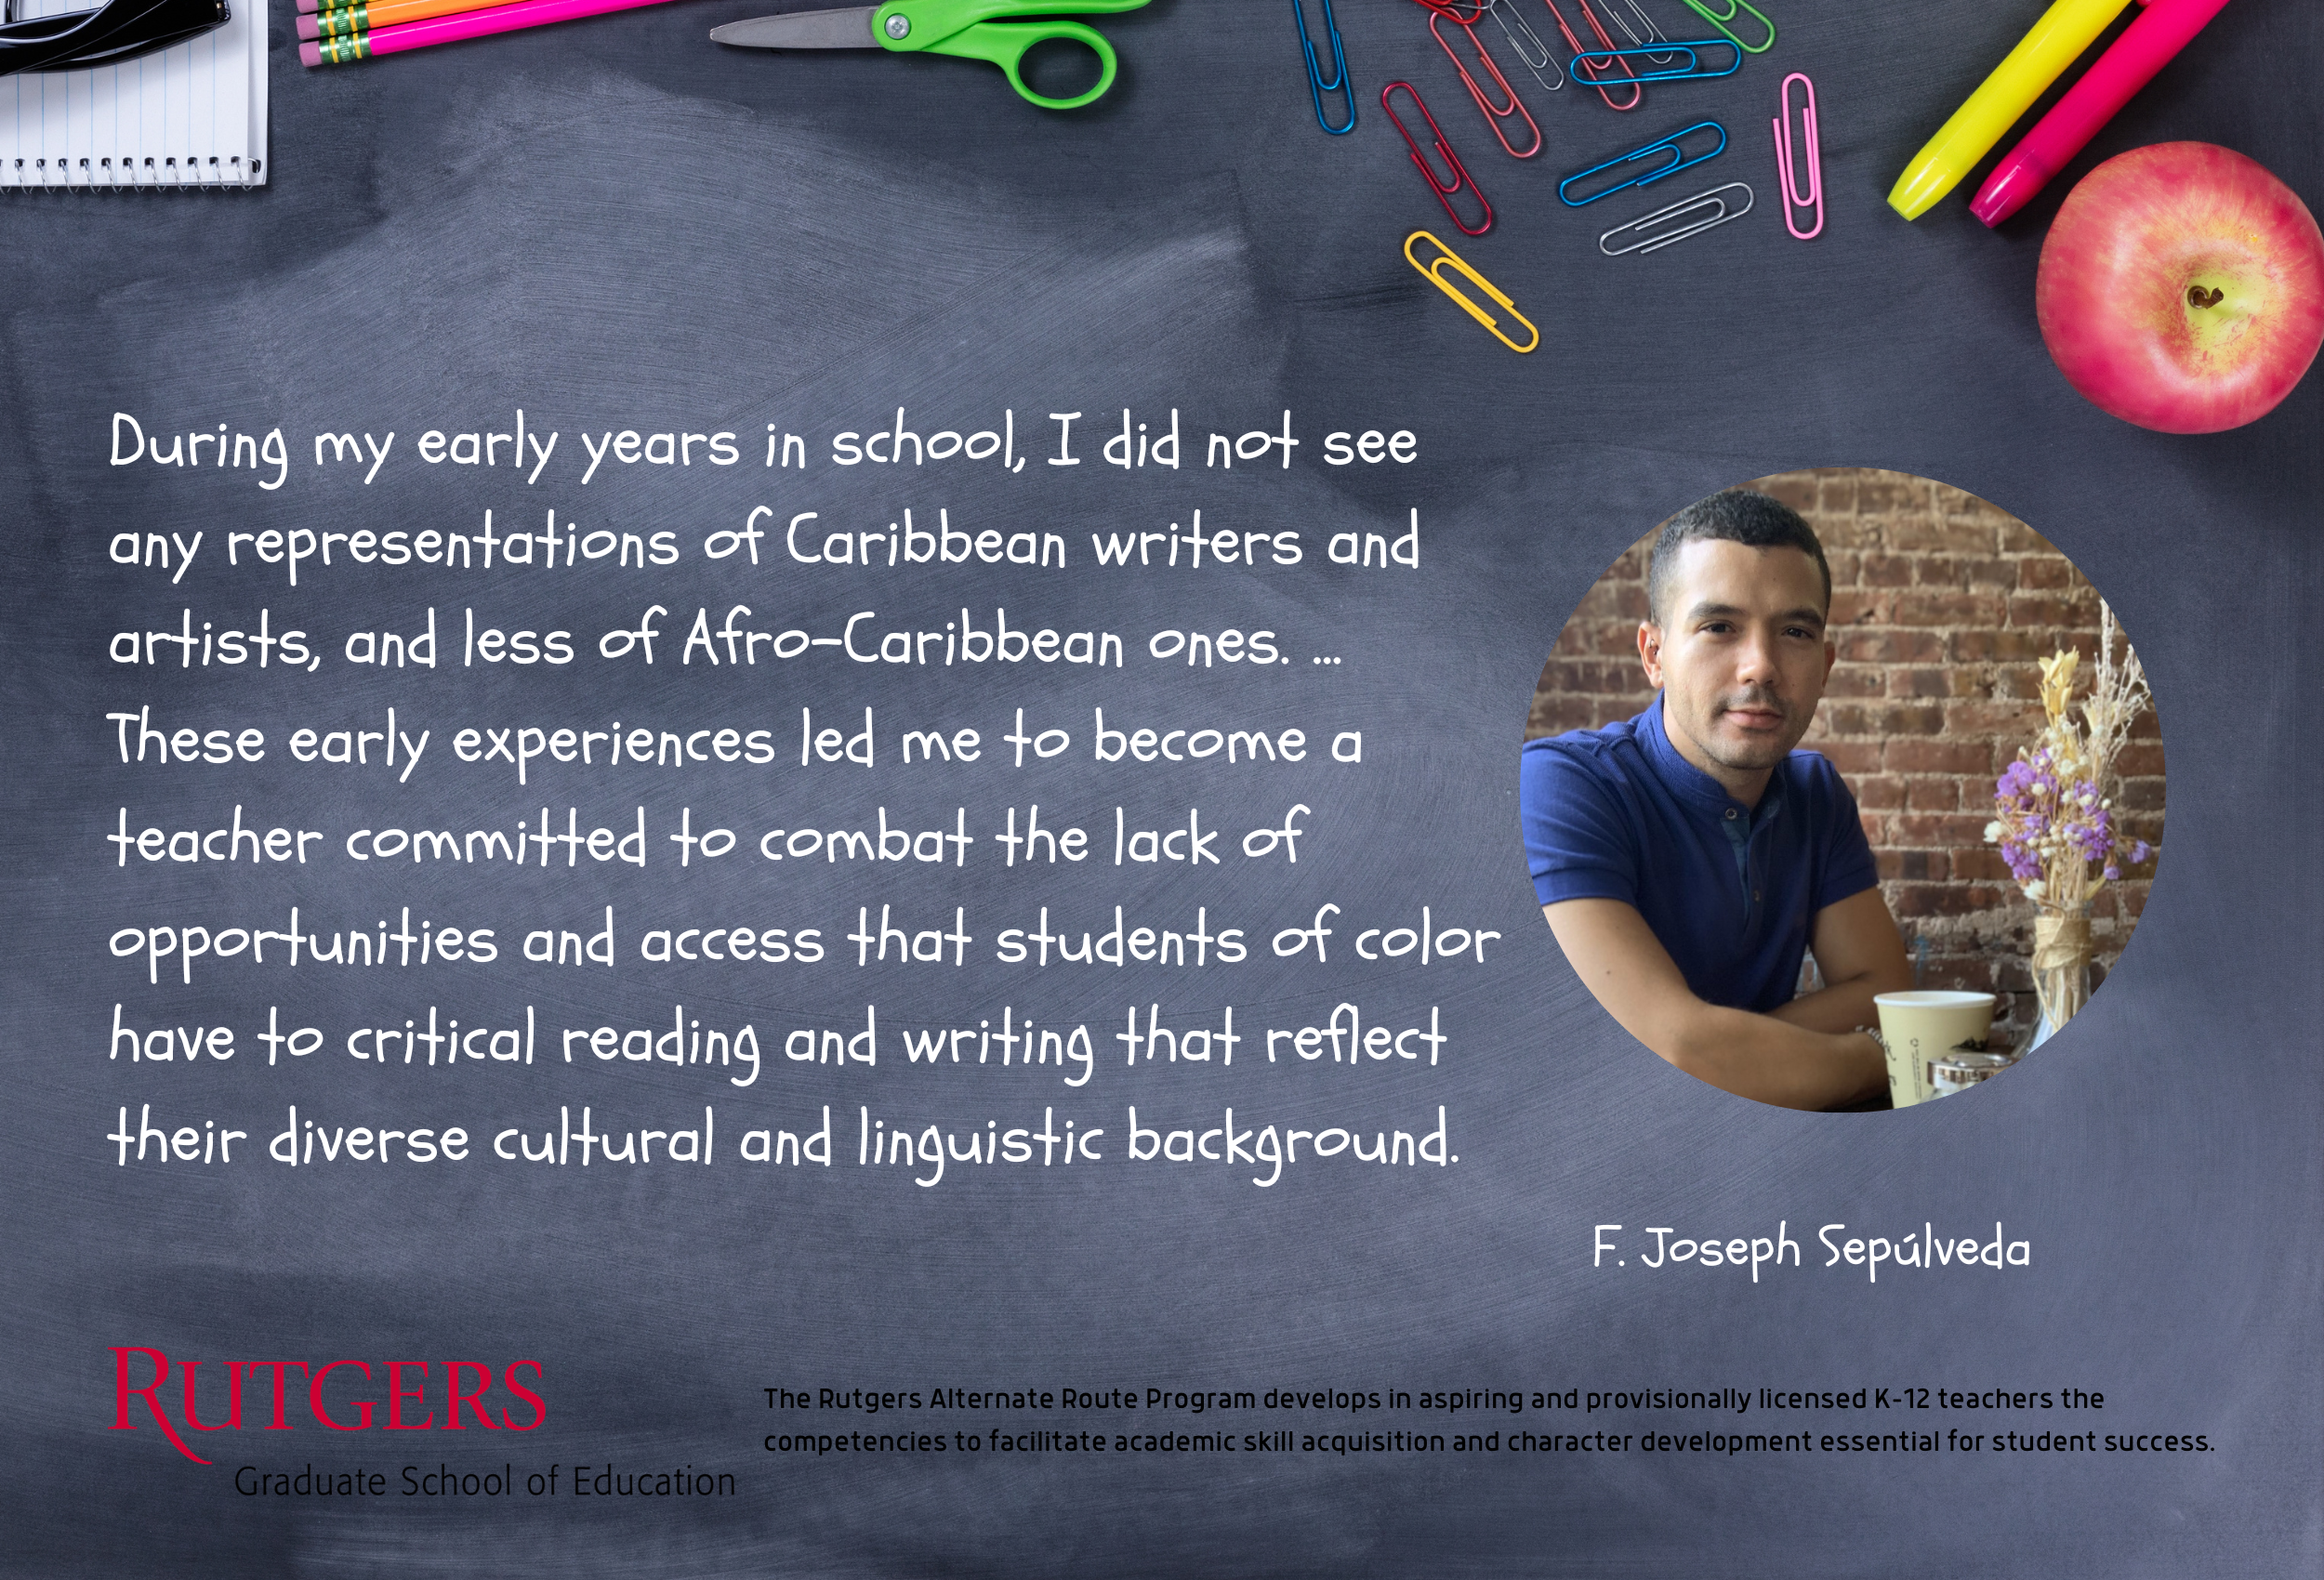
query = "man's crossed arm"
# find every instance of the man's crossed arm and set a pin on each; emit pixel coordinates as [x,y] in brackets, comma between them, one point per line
[1804,1054]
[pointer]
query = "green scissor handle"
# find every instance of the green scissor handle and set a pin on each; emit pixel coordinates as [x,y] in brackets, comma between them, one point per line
[971,29]
[1004,44]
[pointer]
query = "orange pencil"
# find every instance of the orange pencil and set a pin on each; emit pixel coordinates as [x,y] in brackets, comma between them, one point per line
[340,20]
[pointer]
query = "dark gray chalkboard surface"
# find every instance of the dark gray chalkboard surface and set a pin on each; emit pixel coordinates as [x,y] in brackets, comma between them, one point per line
[615,225]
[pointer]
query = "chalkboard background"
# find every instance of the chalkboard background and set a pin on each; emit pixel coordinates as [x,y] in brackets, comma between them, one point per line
[615,225]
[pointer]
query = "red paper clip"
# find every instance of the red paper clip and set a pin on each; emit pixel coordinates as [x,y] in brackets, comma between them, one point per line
[1450,11]
[1460,177]
[1786,166]
[1573,40]
[1510,105]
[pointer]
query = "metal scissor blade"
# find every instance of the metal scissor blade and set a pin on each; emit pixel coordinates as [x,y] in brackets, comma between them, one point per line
[847,28]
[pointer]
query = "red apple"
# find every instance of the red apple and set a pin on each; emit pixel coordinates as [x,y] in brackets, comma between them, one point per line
[2182,288]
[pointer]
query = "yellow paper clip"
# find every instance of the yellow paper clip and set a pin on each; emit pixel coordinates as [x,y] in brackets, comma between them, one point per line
[1449,256]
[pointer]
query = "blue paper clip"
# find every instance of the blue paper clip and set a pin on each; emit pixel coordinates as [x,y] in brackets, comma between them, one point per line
[1316,87]
[1666,145]
[1691,68]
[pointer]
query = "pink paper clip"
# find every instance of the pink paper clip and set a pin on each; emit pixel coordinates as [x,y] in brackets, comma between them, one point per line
[1510,105]
[1460,177]
[1792,197]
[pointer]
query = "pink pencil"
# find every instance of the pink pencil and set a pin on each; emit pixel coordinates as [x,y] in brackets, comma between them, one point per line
[451,29]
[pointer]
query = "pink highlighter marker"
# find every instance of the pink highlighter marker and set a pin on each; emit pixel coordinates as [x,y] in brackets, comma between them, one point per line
[2146,47]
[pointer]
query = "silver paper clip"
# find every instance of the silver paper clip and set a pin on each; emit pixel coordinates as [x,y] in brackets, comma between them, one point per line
[1786,169]
[1653,33]
[1529,46]
[1651,239]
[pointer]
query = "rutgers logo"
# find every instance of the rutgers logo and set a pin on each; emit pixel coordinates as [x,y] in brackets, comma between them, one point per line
[412,1403]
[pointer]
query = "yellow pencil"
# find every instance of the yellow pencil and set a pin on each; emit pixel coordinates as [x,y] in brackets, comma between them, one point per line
[2065,31]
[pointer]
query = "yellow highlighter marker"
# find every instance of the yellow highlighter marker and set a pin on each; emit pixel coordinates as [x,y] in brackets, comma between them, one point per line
[2065,31]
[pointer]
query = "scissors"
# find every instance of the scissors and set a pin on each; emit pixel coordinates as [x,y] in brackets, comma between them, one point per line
[942,26]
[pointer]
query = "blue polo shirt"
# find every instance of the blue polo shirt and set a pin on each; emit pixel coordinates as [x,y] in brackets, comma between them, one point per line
[1731,890]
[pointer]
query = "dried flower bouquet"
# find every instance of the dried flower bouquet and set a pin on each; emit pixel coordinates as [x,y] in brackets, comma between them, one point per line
[2055,820]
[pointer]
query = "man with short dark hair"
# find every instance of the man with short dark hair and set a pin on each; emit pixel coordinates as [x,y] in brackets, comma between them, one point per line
[1689,859]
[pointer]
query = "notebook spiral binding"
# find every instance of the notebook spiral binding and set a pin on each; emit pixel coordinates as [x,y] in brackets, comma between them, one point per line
[152,172]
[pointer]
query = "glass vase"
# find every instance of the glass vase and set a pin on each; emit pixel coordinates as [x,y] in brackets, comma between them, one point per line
[2061,967]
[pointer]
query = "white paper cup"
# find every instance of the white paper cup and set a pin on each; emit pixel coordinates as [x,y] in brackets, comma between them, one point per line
[1920,1025]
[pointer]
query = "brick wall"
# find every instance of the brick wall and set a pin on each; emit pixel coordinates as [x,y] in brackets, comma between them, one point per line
[1941,604]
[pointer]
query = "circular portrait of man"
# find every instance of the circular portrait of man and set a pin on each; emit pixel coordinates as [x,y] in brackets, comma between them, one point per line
[1841,790]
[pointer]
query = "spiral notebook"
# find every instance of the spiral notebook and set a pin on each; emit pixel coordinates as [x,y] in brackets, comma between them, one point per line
[190,116]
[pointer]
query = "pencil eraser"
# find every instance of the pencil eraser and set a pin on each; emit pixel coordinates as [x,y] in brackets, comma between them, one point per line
[311,5]
[310,54]
[310,25]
